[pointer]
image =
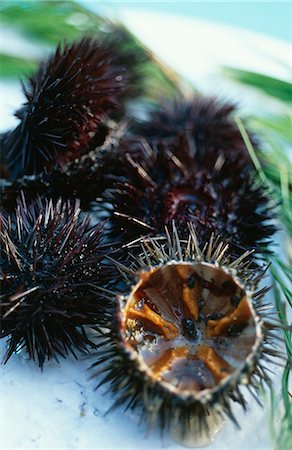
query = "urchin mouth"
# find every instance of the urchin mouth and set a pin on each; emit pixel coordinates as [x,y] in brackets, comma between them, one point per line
[191,326]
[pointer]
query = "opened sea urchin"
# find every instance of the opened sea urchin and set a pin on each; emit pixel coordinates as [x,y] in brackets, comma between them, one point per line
[52,262]
[188,335]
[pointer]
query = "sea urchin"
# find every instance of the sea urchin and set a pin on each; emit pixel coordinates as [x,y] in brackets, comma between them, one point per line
[187,335]
[52,263]
[208,120]
[167,182]
[68,101]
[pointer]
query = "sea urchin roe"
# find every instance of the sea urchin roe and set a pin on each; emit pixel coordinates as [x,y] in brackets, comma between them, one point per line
[183,322]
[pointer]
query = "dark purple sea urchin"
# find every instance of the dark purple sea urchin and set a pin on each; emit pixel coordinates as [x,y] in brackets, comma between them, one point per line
[171,183]
[209,121]
[68,102]
[84,178]
[52,262]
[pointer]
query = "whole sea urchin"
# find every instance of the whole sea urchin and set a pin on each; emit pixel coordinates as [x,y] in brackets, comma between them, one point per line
[52,262]
[167,182]
[208,120]
[68,102]
[187,335]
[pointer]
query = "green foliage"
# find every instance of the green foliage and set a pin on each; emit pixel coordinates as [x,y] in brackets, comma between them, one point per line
[12,66]
[49,22]
[279,126]
[274,169]
[283,436]
[279,89]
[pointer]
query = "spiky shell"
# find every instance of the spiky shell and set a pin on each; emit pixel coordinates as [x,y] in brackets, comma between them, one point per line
[169,274]
[208,120]
[52,262]
[167,182]
[68,102]
[132,55]
[84,178]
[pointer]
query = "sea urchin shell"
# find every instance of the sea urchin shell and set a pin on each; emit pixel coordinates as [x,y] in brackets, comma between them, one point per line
[187,335]
[52,262]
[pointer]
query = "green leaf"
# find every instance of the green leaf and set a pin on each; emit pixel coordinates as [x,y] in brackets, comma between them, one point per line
[274,87]
[279,126]
[49,22]
[12,66]
[275,161]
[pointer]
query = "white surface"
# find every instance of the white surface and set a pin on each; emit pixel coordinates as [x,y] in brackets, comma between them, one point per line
[58,409]
[197,48]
